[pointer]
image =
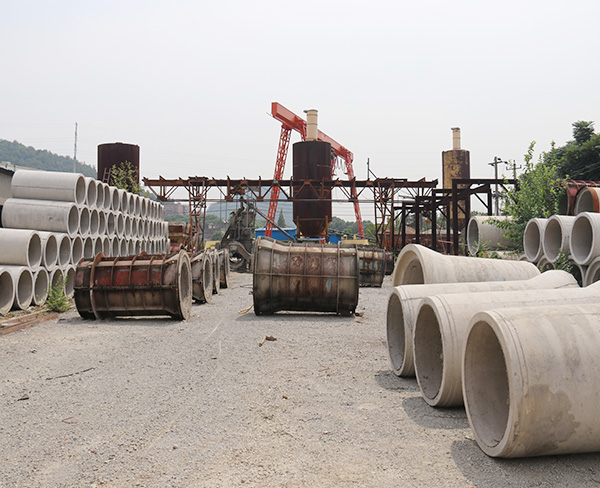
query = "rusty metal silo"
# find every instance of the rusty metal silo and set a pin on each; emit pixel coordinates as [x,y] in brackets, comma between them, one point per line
[311,161]
[456,164]
[113,154]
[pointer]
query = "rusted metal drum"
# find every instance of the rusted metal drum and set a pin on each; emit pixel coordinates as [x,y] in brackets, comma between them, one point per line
[224,267]
[304,277]
[214,256]
[202,278]
[134,285]
[372,265]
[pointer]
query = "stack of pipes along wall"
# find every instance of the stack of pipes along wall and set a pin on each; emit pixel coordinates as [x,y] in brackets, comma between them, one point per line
[53,220]
[516,347]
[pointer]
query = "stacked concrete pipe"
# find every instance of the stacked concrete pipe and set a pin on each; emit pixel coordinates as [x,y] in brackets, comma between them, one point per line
[557,236]
[482,234]
[588,200]
[404,303]
[533,239]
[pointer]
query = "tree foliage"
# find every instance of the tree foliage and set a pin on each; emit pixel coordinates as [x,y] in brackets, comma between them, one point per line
[125,176]
[578,159]
[20,155]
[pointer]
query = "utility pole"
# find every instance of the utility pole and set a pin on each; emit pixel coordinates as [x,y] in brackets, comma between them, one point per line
[512,165]
[496,195]
[75,151]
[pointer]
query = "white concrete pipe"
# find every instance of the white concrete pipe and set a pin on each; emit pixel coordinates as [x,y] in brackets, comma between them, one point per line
[136,205]
[114,247]
[101,222]
[76,249]
[531,382]
[127,230]
[88,247]
[442,326]
[120,224]
[144,213]
[585,238]
[45,215]
[557,236]
[482,234]
[404,303]
[545,265]
[107,201]
[110,224]
[417,264]
[533,239]
[122,247]
[98,245]
[94,222]
[84,221]
[69,280]
[91,192]
[22,284]
[587,200]
[130,247]
[48,185]
[592,274]
[106,248]
[49,249]
[123,200]
[137,247]
[114,199]
[20,247]
[7,291]
[99,195]
[63,243]
[40,286]
[56,278]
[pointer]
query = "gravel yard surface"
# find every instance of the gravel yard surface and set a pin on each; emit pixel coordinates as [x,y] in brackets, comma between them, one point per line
[159,403]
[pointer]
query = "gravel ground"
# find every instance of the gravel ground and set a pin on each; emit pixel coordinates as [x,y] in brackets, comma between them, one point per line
[157,403]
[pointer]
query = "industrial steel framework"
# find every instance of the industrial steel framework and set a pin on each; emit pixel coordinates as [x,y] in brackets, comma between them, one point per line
[290,121]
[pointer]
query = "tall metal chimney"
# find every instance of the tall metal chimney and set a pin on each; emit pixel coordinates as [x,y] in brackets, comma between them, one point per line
[311,124]
[455,138]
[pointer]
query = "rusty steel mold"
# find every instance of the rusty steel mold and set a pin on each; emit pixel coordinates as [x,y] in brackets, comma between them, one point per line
[141,285]
[202,277]
[372,265]
[304,277]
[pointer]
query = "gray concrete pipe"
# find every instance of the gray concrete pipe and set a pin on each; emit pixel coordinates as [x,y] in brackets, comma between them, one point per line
[49,185]
[114,247]
[98,245]
[49,249]
[69,280]
[587,200]
[7,291]
[56,278]
[64,254]
[106,248]
[88,247]
[544,265]
[120,224]
[49,216]
[20,247]
[110,224]
[585,238]
[107,201]
[531,382]
[94,222]
[102,223]
[99,195]
[22,279]
[40,286]
[404,302]
[84,221]
[123,200]
[557,236]
[592,274]
[533,239]
[76,249]
[482,233]
[441,330]
[91,190]
[417,264]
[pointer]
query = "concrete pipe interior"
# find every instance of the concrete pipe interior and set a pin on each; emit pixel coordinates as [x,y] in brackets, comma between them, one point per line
[101,222]
[110,224]
[91,194]
[73,221]
[413,273]
[532,241]
[582,239]
[76,250]
[553,238]
[94,222]
[69,276]
[120,224]
[7,292]
[585,201]
[485,384]
[56,278]
[428,352]
[64,251]
[395,332]
[84,221]
[98,245]
[50,251]
[34,251]
[80,190]
[473,236]
[88,247]
[40,287]
[107,197]
[24,290]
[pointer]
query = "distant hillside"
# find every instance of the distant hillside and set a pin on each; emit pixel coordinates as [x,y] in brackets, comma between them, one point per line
[20,155]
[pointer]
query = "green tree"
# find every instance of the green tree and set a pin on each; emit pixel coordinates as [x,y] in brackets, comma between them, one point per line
[281,220]
[125,176]
[583,131]
[578,159]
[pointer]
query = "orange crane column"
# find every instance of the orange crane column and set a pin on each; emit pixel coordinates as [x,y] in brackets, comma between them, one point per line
[282,150]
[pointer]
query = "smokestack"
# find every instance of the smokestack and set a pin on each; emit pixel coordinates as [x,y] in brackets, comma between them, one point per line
[455,138]
[311,124]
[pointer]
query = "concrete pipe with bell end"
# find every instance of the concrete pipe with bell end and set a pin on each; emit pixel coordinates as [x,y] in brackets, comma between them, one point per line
[49,185]
[442,326]
[40,286]
[22,279]
[49,216]
[417,264]
[7,291]
[20,247]
[202,278]
[530,380]
[483,235]
[404,303]
[557,236]
[533,239]
[585,238]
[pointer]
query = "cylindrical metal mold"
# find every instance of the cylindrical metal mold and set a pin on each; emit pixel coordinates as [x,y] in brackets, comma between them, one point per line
[442,326]
[312,212]
[20,247]
[304,277]
[404,302]
[202,277]
[531,382]
[417,264]
[224,267]
[22,278]
[114,154]
[587,200]
[48,185]
[50,216]
[7,291]
[557,236]
[533,239]
[141,285]
[40,286]
[371,263]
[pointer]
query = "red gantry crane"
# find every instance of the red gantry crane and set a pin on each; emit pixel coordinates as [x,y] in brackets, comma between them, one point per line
[290,121]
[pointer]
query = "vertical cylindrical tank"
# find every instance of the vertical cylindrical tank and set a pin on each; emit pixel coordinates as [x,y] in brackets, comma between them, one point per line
[456,164]
[114,154]
[312,211]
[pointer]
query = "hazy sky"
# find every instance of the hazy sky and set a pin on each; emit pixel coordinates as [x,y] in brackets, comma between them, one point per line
[191,82]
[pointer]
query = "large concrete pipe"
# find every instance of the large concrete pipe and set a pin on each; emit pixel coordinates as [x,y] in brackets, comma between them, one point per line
[49,249]
[115,202]
[56,278]
[94,222]
[114,247]
[588,200]
[42,215]
[139,285]
[107,201]
[557,236]
[120,224]
[20,247]
[48,185]
[533,239]
[417,264]
[7,291]
[585,238]
[202,277]
[88,247]
[40,286]
[101,222]
[84,221]
[404,303]
[224,267]
[123,200]
[98,245]
[91,190]
[544,265]
[441,330]
[63,243]
[214,256]
[111,230]
[106,247]
[530,380]
[22,279]
[76,249]
[371,261]
[592,274]
[483,235]
[99,195]
[69,280]
[304,277]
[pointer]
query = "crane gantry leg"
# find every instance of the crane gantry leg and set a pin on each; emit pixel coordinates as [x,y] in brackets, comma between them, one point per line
[282,150]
